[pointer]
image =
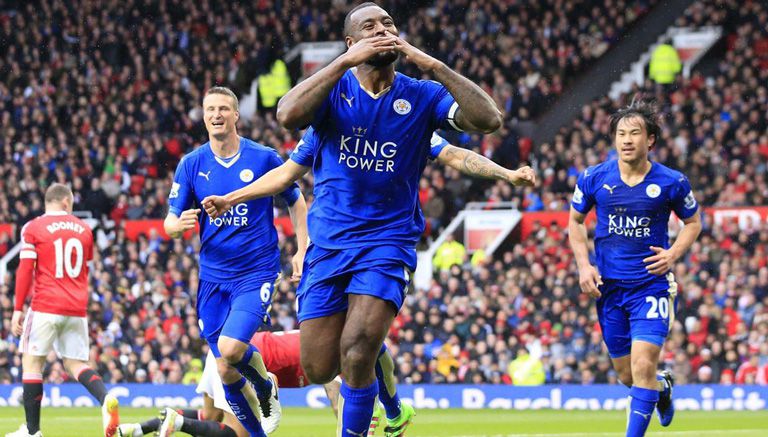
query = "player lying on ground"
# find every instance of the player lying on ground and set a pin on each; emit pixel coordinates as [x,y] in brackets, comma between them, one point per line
[281,356]
[53,269]
[632,282]
[239,254]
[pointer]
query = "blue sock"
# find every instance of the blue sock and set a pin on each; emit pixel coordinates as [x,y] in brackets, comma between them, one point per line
[242,399]
[642,403]
[356,408]
[262,385]
[385,377]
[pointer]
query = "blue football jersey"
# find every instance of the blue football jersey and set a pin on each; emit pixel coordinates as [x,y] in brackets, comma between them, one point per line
[244,240]
[631,219]
[367,153]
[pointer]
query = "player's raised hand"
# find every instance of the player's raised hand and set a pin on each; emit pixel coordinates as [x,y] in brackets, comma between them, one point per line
[216,206]
[412,54]
[297,264]
[366,48]
[589,280]
[17,323]
[523,176]
[660,263]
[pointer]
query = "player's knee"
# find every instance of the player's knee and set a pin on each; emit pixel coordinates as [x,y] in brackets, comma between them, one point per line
[232,351]
[357,357]
[320,373]
[643,368]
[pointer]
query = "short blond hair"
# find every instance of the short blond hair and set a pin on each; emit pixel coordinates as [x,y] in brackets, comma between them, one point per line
[57,192]
[225,91]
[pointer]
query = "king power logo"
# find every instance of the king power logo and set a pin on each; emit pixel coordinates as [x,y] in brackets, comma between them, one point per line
[358,152]
[237,216]
[629,226]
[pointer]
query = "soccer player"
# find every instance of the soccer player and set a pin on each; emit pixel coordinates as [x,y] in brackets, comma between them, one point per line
[372,128]
[53,269]
[239,255]
[281,357]
[631,281]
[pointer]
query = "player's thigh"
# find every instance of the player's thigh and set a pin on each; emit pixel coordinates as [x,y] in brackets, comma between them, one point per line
[231,421]
[368,321]
[614,321]
[320,340]
[651,309]
[39,333]
[72,341]
[212,311]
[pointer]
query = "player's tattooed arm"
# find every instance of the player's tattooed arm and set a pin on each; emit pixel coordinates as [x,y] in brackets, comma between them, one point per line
[474,164]
[477,110]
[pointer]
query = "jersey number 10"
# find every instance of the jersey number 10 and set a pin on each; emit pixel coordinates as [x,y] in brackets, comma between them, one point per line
[64,257]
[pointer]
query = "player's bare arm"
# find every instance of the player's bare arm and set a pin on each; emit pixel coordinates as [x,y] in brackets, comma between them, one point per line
[663,260]
[474,164]
[297,107]
[175,226]
[589,277]
[271,183]
[477,111]
[298,213]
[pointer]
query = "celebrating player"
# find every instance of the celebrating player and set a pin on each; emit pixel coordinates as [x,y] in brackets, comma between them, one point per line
[56,248]
[281,356]
[370,142]
[632,282]
[239,255]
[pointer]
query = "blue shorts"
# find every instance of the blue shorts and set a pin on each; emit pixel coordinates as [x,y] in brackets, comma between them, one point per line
[234,309]
[632,311]
[331,274]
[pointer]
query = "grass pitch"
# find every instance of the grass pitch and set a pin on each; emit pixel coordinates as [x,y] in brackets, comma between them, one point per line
[305,422]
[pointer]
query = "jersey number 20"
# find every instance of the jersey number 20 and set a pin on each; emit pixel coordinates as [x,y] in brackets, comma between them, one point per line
[659,306]
[65,261]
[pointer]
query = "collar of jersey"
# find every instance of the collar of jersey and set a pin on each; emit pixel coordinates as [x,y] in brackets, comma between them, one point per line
[56,213]
[227,162]
[373,95]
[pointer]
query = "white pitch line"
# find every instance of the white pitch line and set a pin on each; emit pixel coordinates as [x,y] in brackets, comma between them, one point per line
[711,432]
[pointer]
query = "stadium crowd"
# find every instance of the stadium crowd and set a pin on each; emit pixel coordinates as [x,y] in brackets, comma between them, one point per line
[117,128]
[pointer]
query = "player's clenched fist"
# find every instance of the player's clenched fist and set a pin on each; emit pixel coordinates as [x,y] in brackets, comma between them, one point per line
[523,176]
[216,206]
[188,219]
[366,48]
[589,279]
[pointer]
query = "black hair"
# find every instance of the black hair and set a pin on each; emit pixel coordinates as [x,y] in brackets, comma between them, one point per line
[348,18]
[644,109]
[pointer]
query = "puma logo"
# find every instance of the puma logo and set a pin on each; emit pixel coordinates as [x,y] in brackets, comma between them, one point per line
[359,434]
[644,416]
[205,175]
[348,100]
[610,189]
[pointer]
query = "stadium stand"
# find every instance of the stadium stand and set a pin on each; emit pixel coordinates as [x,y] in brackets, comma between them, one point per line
[117,126]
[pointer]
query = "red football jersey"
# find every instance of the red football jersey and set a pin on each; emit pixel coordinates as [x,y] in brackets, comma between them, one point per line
[61,246]
[281,354]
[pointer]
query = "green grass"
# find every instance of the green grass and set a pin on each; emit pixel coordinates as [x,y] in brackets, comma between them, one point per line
[304,422]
